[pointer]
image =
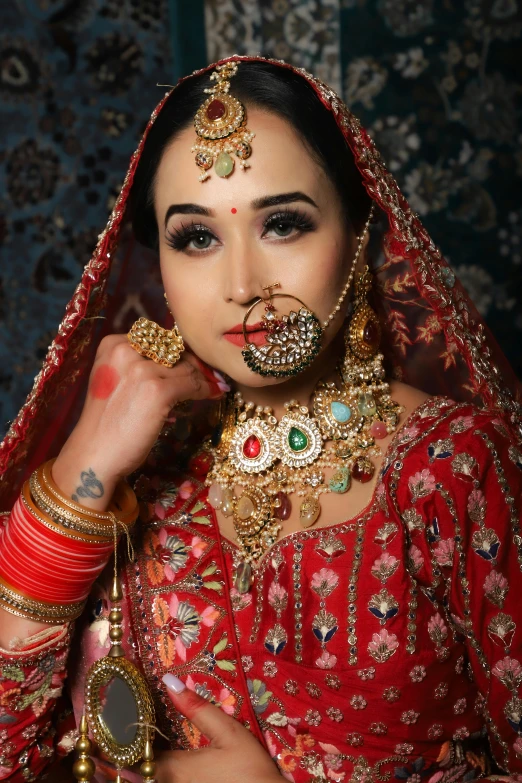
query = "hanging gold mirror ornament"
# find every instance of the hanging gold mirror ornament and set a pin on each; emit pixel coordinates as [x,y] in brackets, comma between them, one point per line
[220,125]
[119,711]
[292,341]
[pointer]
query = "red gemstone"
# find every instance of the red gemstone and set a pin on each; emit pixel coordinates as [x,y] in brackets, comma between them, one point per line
[378,430]
[284,509]
[371,334]
[363,470]
[252,447]
[216,109]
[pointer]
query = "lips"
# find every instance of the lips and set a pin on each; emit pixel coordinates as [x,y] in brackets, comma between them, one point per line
[256,334]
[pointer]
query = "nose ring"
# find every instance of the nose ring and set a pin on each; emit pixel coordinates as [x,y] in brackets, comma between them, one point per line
[269,288]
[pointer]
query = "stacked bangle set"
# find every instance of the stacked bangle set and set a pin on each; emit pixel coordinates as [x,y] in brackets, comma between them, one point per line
[52,549]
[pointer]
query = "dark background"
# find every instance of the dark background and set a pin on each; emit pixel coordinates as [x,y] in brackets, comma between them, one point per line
[436,83]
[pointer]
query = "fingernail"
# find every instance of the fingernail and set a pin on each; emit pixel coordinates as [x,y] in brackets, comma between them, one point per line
[223,386]
[219,377]
[173,683]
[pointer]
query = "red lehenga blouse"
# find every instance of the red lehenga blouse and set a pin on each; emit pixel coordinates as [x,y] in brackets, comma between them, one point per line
[385,647]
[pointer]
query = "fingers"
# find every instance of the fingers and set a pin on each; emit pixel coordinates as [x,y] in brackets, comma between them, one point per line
[217,726]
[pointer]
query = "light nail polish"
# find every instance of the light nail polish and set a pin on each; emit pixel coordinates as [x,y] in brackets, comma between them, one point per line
[173,683]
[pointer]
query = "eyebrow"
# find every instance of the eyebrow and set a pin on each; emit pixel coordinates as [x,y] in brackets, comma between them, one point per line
[258,203]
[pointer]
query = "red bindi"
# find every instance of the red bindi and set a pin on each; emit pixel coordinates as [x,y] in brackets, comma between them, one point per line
[104,381]
[233,210]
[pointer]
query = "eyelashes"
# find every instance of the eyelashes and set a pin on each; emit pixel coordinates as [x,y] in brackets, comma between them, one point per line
[285,224]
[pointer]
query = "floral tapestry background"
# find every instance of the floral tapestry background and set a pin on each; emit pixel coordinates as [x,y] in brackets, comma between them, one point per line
[436,83]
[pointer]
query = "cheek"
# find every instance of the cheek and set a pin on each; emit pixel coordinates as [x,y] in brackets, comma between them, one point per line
[104,381]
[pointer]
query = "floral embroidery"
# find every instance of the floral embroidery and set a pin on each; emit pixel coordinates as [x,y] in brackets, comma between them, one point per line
[485,543]
[460,706]
[366,674]
[437,629]
[421,484]
[418,673]
[495,588]
[441,449]
[259,696]
[335,714]
[413,519]
[410,716]
[277,597]
[324,625]
[383,645]
[477,506]
[358,702]
[384,567]
[326,660]
[178,626]
[509,672]
[501,629]
[415,559]
[270,669]
[391,694]
[383,606]
[461,424]
[444,551]
[329,546]
[313,717]
[463,463]
[239,600]
[276,639]
[324,582]
[386,534]
[291,687]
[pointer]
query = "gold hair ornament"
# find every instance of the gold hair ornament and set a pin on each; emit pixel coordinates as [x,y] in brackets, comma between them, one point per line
[220,124]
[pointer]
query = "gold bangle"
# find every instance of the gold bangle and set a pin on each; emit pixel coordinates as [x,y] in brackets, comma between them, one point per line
[124,504]
[22,605]
[48,517]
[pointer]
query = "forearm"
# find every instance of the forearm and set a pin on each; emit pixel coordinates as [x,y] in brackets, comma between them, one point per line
[31,679]
[13,628]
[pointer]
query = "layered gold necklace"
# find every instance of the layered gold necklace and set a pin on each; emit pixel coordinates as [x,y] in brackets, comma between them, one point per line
[259,462]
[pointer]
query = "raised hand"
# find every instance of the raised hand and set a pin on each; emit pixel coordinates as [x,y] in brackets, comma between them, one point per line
[128,400]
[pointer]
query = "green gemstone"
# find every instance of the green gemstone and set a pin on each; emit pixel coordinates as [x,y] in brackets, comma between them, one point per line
[224,164]
[297,440]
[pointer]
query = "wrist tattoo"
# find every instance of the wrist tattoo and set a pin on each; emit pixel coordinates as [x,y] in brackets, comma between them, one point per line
[91,487]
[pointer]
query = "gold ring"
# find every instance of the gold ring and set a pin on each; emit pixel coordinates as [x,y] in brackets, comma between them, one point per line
[163,346]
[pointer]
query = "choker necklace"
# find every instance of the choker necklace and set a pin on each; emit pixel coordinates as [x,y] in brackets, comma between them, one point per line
[259,462]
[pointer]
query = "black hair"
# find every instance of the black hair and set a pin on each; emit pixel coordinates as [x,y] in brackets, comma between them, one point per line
[276,89]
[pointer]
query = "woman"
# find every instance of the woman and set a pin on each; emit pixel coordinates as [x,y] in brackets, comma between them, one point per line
[336,568]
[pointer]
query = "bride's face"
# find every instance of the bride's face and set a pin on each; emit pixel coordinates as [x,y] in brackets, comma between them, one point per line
[222,241]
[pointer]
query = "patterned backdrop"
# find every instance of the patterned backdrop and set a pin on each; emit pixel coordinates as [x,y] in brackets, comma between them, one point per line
[437,82]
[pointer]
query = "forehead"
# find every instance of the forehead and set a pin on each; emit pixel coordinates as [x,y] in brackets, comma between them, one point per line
[280,162]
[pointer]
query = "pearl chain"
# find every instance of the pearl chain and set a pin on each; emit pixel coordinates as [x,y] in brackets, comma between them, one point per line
[352,271]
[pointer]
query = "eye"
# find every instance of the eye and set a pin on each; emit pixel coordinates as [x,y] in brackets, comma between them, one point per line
[285,224]
[192,238]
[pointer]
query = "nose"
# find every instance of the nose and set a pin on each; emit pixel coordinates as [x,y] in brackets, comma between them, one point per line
[242,272]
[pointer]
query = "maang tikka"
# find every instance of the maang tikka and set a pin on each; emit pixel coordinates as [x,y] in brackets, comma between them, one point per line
[220,125]
[294,340]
